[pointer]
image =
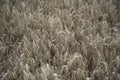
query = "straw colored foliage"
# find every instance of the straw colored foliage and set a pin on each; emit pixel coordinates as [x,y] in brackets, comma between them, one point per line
[59,40]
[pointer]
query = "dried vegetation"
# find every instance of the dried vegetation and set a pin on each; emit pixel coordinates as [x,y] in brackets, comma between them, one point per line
[59,40]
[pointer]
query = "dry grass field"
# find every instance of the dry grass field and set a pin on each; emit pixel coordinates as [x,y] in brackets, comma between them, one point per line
[59,40]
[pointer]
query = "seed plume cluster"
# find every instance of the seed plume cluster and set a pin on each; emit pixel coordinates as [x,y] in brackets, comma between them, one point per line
[59,40]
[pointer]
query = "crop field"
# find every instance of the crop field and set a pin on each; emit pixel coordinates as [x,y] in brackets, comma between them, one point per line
[59,39]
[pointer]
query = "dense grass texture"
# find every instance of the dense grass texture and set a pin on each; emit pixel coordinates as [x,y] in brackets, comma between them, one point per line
[59,40]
